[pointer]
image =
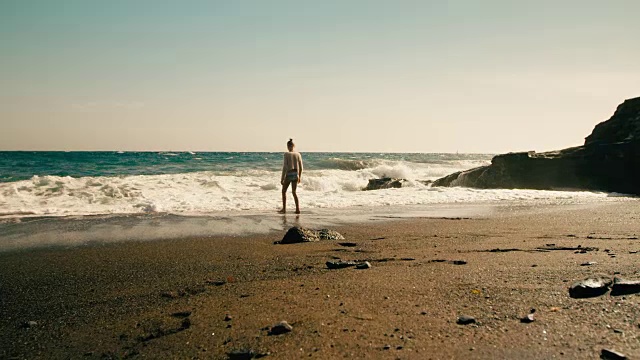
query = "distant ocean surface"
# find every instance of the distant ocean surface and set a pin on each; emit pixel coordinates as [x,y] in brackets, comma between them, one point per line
[188,183]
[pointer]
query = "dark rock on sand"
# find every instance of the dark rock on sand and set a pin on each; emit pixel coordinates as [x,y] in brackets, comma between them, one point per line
[299,234]
[465,320]
[340,264]
[364,265]
[625,287]
[611,355]
[608,161]
[591,287]
[181,314]
[245,354]
[281,328]
[28,324]
[348,244]
[384,183]
[227,317]
[527,319]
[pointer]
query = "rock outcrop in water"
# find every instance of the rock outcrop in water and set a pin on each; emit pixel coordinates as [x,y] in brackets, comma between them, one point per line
[384,183]
[608,161]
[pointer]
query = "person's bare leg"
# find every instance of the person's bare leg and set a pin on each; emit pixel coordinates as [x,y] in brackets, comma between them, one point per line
[294,185]
[285,186]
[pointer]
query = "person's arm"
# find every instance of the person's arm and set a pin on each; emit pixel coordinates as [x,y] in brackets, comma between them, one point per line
[299,167]
[284,169]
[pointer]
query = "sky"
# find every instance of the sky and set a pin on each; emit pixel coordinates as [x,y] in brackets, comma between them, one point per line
[472,76]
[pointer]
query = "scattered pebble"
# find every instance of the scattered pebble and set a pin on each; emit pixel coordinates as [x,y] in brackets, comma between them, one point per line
[465,320]
[181,314]
[611,355]
[527,319]
[227,317]
[216,282]
[386,347]
[340,264]
[590,287]
[29,324]
[281,328]
[588,263]
[625,287]
[242,354]
[348,244]
[364,265]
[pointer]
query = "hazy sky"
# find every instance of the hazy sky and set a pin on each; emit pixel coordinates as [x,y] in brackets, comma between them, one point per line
[336,75]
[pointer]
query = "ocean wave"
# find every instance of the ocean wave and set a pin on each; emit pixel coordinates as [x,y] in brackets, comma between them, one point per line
[210,192]
[346,164]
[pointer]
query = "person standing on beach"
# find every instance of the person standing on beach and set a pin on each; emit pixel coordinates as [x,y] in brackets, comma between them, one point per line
[291,174]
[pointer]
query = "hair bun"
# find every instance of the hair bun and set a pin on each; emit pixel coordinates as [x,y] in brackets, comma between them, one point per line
[290,139]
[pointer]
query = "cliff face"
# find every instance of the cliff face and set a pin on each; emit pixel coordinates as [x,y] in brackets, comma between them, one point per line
[609,161]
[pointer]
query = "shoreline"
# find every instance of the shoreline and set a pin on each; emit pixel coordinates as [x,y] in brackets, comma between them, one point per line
[30,233]
[121,300]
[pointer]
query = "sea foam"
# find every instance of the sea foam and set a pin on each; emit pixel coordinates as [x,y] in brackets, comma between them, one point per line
[208,192]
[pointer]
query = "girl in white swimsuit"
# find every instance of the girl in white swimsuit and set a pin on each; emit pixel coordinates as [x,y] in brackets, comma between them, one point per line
[291,174]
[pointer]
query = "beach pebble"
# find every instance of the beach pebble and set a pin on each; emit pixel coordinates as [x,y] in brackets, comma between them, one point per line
[29,324]
[241,354]
[611,355]
[588,263]
[465,320]
[386,347]
[348,244]
[340,264]
[227,317]
[527,319]
[459,262]
[281,328]
[181,314]
[590,287]
[625,287]
[364,265]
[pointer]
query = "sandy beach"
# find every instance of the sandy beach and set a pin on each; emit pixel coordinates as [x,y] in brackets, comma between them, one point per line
[208,297]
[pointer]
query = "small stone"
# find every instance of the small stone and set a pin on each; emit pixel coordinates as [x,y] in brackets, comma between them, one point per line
[216,282]
[348,244]
[386,347]
[227,317]
[340,264]
[527,319]
[465,320]
[29,324]
[181,314]
[588,263]
[281,328]
[591,287]
[364,265]
[169,294]
[459,262]
[611,355]
[625,287]
[241,354]
[423,313]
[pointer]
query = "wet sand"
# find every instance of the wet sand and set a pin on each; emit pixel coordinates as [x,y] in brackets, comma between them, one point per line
[169,298]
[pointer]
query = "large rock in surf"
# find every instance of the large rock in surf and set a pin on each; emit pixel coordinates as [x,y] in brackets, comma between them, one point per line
[608,161]
[384,183]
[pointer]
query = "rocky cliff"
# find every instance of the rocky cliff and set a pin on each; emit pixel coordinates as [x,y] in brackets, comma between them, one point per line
[608,161]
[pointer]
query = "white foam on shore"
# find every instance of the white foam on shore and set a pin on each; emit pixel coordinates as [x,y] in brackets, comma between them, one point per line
[202,193]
